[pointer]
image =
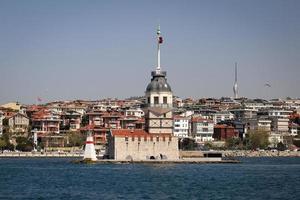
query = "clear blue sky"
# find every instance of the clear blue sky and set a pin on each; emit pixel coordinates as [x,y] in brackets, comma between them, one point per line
[64,50]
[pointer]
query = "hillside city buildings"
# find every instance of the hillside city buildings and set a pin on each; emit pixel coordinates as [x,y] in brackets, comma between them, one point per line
[195,119]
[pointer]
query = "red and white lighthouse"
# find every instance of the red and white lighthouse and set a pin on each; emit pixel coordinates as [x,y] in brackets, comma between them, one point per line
[89,151]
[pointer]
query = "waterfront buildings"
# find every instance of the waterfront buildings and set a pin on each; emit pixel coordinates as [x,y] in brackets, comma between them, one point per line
[181,126]
[202,129]
[17,124]
[224,131]
[278,118]
[46,124]
[70,121]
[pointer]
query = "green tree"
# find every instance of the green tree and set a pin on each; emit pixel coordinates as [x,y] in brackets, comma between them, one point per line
[2,144]
[8,145]
[281,146]
[208,145]
[23,144]
[76,139]
[233,143]
[187,144]
[258,139]
[85,120]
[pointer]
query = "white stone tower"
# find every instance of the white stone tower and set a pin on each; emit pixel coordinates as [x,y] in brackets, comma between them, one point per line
[235,86]
[89,151]
[159,97]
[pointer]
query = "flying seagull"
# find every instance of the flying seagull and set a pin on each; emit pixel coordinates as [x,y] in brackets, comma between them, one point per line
[267,85]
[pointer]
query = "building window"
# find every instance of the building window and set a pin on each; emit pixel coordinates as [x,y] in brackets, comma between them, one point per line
[165,100]
[145,138]
[155,100]
[205,129]
[149,100]
[139,139]
[151,138]
[132,138]
[126,139]
[170,139]
[157,139]
[164,139]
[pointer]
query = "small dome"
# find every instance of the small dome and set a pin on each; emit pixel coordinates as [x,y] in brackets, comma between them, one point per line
[158,84]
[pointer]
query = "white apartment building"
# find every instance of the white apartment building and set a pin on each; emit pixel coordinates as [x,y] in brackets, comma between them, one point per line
[244,113]
[181,126]
[222,116]
[279,113]
[202,129]
[264,124]
[187,113]
[134,112]
[280,125]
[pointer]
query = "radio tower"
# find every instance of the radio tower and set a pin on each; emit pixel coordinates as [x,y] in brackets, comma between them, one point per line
[235,86]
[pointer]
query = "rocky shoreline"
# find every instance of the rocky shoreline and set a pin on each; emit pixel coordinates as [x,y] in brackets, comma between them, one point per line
[249,153]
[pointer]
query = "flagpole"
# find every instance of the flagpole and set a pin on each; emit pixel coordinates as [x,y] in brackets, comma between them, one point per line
[158,49]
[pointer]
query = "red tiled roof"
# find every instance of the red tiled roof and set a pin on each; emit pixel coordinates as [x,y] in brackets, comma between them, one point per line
[14,114]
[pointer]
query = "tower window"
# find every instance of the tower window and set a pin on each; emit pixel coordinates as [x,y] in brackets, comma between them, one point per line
[165,100]
[155,100]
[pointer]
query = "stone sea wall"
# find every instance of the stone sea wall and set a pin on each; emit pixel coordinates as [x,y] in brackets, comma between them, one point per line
[246,153]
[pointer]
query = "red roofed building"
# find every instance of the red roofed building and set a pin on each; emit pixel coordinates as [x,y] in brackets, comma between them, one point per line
[47,126]
[223,131]
[17,123]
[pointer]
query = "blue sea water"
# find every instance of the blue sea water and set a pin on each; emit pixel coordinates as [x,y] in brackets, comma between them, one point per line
[254,178]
